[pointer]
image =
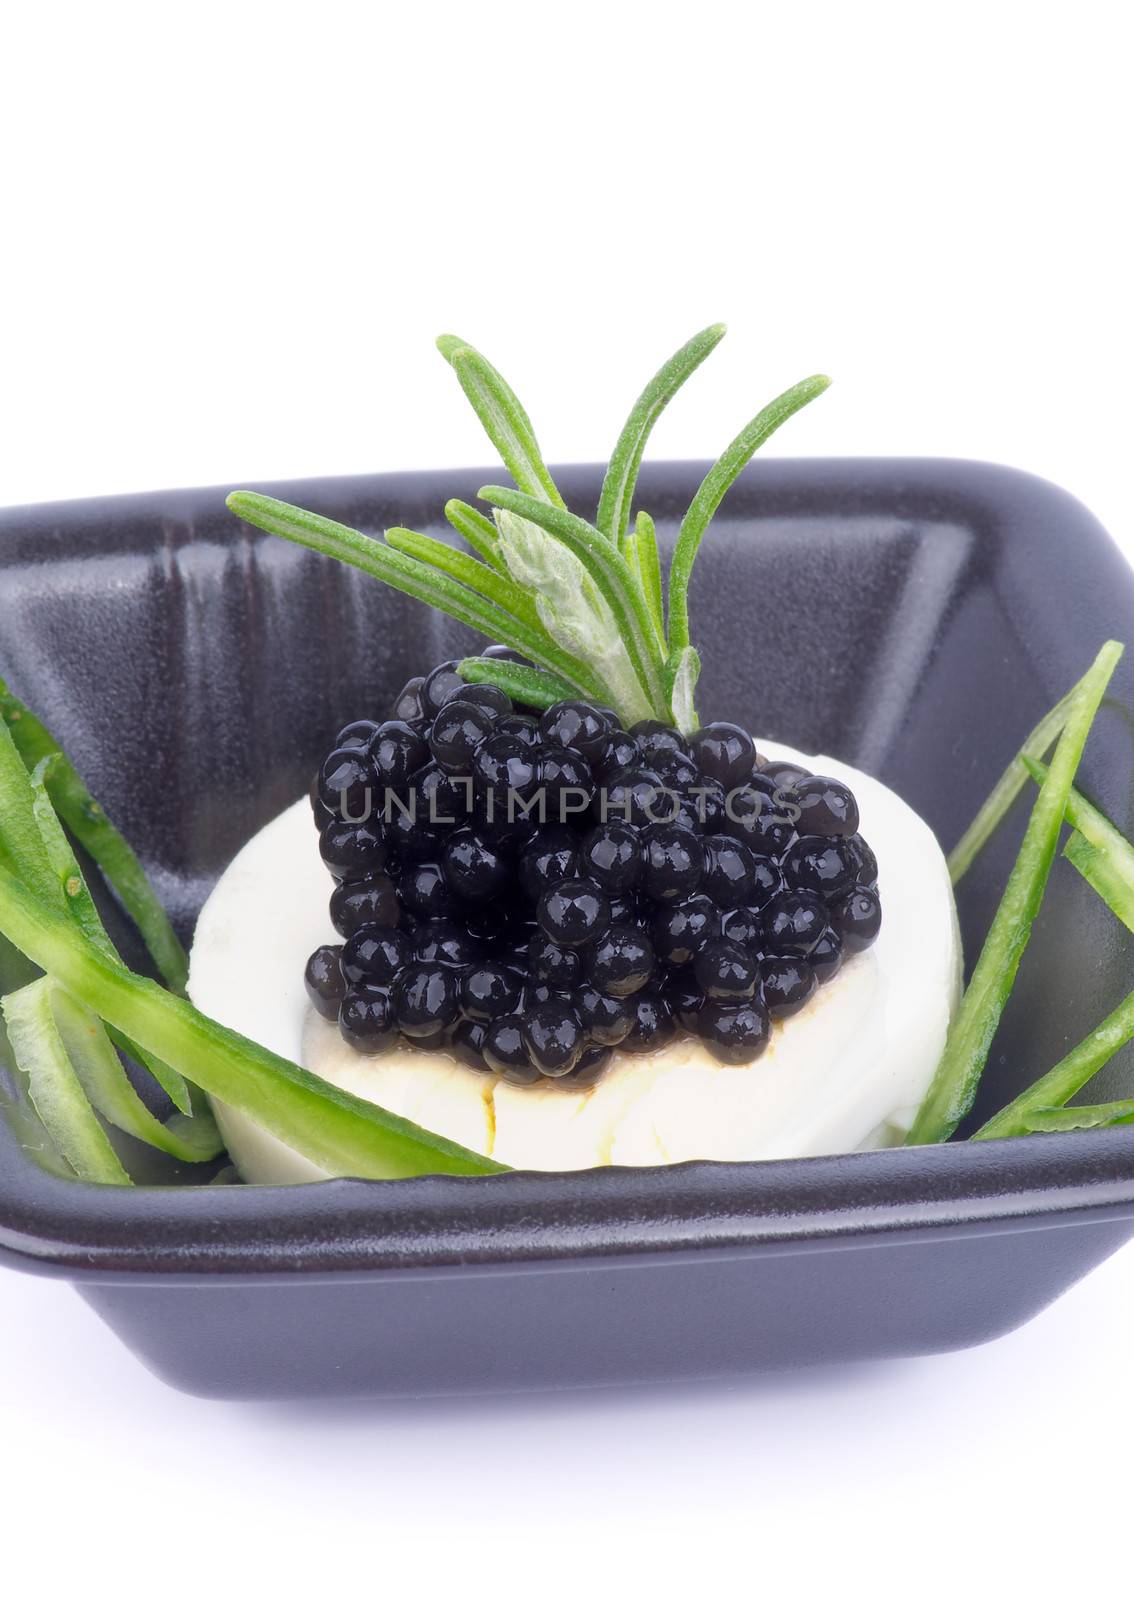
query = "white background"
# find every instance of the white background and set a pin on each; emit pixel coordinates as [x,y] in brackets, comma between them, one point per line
[230,235]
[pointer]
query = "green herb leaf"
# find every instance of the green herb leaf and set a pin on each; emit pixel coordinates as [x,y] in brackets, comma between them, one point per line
[466,569]
[645,543]
[526,685]
[54,1088]
[1008,786]
[399,572]
[504,419]
[1071,1074]
[682,672]
[1097,850]
[477,531]
[610,575]
[716,484]
[970,1037]
[622,474]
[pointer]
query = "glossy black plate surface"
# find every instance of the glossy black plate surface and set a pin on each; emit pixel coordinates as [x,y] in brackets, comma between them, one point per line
[913,617]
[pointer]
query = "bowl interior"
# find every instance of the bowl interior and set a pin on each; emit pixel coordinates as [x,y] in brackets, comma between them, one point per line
[915,618]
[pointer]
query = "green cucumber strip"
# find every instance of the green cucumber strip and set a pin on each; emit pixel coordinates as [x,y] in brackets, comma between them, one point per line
[716,484]
[1010,784]
[526,685]
[478,531]
[648,561]
[54,1088]
[1067,1119]
[970,1037]
[466,569]
[613,517]
[339,1132]
[502,416]
[611,577]
[89,823]
[410,577]
[104,1082]
[1065,1079]
[1097,850]
[1104,875]
[80,904]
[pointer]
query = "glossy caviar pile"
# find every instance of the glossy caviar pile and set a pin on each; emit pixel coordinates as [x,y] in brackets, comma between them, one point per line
[529,890]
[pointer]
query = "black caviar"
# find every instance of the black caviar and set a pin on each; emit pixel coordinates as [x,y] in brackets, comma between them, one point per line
[532,890]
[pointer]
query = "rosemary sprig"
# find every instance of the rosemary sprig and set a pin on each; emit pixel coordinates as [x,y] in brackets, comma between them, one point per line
[613,517]
[585,603]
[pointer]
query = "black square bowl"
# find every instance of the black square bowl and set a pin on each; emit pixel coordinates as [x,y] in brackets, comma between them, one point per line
[913,617]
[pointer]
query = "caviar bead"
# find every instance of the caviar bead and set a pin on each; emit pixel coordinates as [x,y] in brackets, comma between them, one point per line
[503,765]
[458,728]
[606,1018]
[448,943]
[426,997]
[506,1051]
[440,799]
[654,1027]
[554,1037]
[553,963]
[623,909]
[757,820]
[548,859]
[730,870]
[353,849]
[504,652]
[725,970]
[577,725]
[347,783]
[566,781]
[858,918]
[724,752]
[474,870]
[734,1034]
[678,932]
[486,695]
[622,962]
[826,807]
[375,955]
[440,686]
[369,900]
[679,770]
[867,862]
[658,739]
[784,774]
[323,978]
[794,922]
[356,735]
[425,890]
[638,796]
[827,956]
[684,998]
[787,984]
[365,1018]
[410,704]
[767,882]
[822,865]
[612,856]
[437,1039]
[587,1070]
[407,835]
[618,754]
[574,912]
[397,752]
[744,926]
[466,1042]
[672,862]
[525,729]
[488,991]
